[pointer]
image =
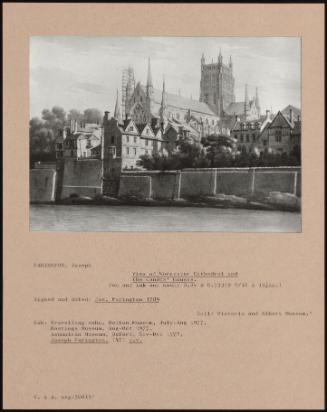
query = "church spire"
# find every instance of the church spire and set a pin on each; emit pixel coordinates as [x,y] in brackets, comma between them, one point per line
[246,97]
[149,78]
[246,102]
[203,60]
[163,101]
[220,57]
[117,115]
[257,102]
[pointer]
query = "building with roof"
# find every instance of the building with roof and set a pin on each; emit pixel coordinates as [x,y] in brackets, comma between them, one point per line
[147,103]
[125,141]
[247,133]
[282,134]
[247,110]
[79,141]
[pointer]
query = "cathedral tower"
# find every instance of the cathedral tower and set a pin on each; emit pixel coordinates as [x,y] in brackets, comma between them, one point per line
[217,84]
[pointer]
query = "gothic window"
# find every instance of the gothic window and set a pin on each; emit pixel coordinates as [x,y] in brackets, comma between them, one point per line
[242,140]
[127,150]
[112,139]
[135,151]
[253,137]
[127,139]
[131,129]
[247,138]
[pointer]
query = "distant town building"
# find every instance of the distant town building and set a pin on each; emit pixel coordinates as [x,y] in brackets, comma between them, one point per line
[79,141]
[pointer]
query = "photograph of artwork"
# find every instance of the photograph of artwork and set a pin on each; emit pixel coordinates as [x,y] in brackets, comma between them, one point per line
[199,134]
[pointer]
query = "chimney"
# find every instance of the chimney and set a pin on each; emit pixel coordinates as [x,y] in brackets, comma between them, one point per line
[106,115]
[267,114]
[291,116]
[72,125]
[298,118]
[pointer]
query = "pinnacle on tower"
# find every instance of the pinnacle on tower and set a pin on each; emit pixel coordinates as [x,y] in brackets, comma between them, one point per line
[220,57]
[246,98]
[246,102]
[257,97]
[163,100]
[149,78]
[117,114]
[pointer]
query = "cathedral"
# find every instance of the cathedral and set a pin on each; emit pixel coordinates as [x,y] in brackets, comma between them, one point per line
[146,104]
[213,113]
[217,91]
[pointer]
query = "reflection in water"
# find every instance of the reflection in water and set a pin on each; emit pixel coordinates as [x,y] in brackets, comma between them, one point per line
[159,219]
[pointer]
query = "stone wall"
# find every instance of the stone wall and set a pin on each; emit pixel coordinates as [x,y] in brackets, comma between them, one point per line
[188,183]
[43,184]
[81,178]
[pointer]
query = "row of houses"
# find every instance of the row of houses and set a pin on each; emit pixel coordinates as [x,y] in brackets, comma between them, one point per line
[280,133]
[123,142]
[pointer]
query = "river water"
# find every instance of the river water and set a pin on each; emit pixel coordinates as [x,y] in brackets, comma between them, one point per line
[81,218]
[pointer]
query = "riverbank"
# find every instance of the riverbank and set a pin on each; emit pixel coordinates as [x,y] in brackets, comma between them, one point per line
[274,201]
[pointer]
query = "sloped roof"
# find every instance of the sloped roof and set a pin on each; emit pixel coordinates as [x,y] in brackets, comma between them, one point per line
[280,114]
[296,111]
[297,127]
[265,123]
[228,123]
[235,108]
[141,127]
[175,100]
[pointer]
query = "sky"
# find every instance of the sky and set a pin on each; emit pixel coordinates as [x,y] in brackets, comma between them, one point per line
[84,72]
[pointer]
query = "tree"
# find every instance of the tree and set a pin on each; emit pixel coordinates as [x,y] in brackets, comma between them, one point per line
[75,115]
[92,116]
[220,150]
[54,119]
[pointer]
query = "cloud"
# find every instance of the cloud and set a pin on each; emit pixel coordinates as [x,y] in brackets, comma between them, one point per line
[77,71]
[59,79]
